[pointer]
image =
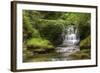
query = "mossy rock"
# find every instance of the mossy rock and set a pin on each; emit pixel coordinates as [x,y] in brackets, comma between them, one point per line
[39,44]
[83,54]
[86,43]
[27,54]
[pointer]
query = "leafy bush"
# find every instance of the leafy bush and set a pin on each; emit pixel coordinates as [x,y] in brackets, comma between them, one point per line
[52,30]
[30,34]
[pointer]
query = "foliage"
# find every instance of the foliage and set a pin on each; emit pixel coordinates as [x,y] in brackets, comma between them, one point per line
[52,31]
[86,42]
[46,21]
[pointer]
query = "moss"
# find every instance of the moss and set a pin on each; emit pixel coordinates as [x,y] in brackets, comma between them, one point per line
[83,54]
[27,54]
[86,42]
[39,44]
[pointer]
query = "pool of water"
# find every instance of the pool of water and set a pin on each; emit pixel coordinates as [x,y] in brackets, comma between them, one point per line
[47,57]
[61,54]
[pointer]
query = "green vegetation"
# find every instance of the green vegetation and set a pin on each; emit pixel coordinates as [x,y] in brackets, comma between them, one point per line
[40,44]
[42,33]
[86,42]
[83,54]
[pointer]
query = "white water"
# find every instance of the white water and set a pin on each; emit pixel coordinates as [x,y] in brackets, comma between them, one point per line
[71,36]
[70,41]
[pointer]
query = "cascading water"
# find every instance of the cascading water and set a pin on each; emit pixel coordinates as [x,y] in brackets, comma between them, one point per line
[71,36]
[71,41]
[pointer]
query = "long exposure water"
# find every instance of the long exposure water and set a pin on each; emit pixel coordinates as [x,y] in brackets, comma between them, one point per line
[70,43]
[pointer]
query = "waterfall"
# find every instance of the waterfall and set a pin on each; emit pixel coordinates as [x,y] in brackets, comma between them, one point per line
[71,40]
[71,36]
